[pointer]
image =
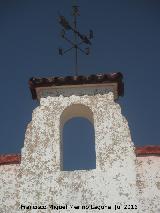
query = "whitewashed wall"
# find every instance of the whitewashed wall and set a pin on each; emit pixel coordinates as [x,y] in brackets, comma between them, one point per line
[8,187]
[40,179]
[114,179]
[148,183]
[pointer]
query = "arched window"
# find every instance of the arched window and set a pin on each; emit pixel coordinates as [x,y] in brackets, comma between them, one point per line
[77,139]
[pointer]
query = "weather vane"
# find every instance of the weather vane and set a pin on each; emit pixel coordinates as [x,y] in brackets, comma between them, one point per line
[78,37]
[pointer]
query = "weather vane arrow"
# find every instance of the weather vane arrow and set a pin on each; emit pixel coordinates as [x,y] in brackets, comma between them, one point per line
[78,37]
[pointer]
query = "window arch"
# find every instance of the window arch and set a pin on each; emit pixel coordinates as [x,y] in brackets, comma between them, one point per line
[77,138]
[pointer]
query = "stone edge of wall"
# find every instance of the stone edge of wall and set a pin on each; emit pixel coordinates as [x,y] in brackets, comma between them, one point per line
[144,151]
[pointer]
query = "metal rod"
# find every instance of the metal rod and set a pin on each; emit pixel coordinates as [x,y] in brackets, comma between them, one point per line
[68,50]
[69,41]
[76,36]
[75,39]
[72,42]
[81,50]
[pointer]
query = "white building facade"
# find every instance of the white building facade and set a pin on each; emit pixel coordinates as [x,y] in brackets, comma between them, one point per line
[121,181]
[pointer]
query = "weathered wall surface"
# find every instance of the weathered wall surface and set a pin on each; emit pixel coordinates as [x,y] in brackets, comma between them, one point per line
[43,180]
[40,179]
[8,187]
[148,186]
[148,183]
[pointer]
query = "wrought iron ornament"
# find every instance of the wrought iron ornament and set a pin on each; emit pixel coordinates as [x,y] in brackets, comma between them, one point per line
[78,37]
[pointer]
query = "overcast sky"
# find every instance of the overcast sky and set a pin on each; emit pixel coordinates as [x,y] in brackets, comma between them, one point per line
[126,39]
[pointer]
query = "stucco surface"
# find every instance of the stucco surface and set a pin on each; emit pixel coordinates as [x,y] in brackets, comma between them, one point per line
[42,157]
[148,183]
[8,187]
[78,90]
[40,179]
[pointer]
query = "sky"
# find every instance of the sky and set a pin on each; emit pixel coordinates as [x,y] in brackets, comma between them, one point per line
[126,40]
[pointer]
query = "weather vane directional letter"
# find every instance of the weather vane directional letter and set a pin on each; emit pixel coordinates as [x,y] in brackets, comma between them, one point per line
[78,37]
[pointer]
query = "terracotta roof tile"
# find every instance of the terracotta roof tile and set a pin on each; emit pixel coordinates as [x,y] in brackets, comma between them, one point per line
[10,159]
[77,80]
[148,150]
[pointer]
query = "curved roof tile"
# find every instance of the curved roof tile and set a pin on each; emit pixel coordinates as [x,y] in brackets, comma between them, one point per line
[77,80]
